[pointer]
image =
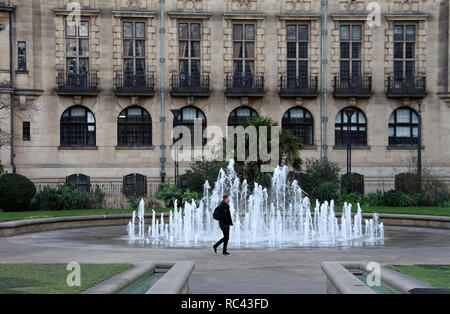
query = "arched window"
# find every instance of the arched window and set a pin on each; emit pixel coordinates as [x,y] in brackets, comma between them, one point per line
[357,125]
[404,128]
[187,118]
[135,185]
[301,124]
[135,127]
[241,116]
[80,182]
[77,127]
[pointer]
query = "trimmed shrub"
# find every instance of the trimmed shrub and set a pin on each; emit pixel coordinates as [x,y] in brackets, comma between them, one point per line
[63,198]
[354,199]
[16,193]
[323,180]
[375,199]
[393,198]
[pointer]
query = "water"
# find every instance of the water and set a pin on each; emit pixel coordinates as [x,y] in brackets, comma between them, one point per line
[274,218]
[142,285]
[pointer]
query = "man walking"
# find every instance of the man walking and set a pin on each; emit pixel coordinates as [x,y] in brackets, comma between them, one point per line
[223,215]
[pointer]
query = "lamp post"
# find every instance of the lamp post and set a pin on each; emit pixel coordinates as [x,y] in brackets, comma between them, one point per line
[419,145]
[349,112]
[176,114]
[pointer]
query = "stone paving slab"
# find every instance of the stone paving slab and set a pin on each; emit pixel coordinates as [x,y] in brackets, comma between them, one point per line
[247,271]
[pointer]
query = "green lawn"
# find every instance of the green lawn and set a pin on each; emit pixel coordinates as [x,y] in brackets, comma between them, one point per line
[432,211]
[4,217]
[436,275]
[51,278]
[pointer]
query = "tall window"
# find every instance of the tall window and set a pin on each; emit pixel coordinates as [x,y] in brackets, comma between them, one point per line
[404,51]
[22,56]
[77,127]
[135,127]
[26,131]
[351,45]
[189,36]
[358,128]
[187,118]
[297,51]
[80,182]
[135,185]
[77,45]
[241,116]
[244,49]
[404,127]
[134,47]
[301,124]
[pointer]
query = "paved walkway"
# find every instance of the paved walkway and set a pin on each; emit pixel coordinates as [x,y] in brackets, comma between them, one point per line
[247,271]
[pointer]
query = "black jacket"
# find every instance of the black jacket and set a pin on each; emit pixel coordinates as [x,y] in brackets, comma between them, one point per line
[225,215]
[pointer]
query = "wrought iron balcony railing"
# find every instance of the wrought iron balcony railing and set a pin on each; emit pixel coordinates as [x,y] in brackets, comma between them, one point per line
[407,87]
[305,87]
[356,86]
[70,83]
[134,84]
[184,85]
[239,85]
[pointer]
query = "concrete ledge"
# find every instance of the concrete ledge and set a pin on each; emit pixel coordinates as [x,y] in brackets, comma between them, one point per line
[341,281]
[13,228]
[175,281]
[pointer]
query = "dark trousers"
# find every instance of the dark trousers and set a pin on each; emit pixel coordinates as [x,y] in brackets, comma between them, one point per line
[226,237]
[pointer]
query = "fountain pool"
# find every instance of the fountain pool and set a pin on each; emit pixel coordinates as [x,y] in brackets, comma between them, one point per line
[278,217]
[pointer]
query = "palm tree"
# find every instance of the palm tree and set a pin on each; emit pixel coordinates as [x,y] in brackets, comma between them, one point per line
[289,149]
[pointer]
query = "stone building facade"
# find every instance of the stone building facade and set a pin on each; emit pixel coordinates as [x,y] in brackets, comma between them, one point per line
[86,88]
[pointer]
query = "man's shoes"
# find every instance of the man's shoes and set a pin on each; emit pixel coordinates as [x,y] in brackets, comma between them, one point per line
[215,250]
[226,254]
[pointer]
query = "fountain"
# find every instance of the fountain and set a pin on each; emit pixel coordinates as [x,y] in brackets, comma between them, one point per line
[275,218]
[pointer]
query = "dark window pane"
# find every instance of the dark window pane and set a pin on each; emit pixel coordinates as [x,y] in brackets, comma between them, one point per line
[356,32]
[345,32]
[140,65]
[291,69]
[238,32]
[291,50]
[184,49]
[140,30]
[140,48]
[195,67]
[410,69]
[411,33]
[398,50]
[303,50]
[26,131]
[303,69]
[238,67]
[195,31]
[127,30]
[183,31]
[345,50]
[398,33]
[303,32]
[128,49]
[398,70]
[184,67]
[249,32]
[238,50]
[345,69]
[250,50]
[356,69]
[195,49]
[292,32]
[410,50]
[356,50]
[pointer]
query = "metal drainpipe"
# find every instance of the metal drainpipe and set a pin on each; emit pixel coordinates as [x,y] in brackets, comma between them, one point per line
[324,79]
[163,94]
[11,70]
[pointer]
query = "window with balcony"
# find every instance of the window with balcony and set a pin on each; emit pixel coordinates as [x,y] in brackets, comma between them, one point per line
[77,47]
[78,128]
[244,49]
[404,51]
[134,127]
[297,51]
[351,47]
[404,127]
[301,124]
[134,52]
[355,128]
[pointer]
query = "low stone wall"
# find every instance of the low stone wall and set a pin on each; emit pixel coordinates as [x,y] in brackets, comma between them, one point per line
[175,281]
[341,281]
[13,228]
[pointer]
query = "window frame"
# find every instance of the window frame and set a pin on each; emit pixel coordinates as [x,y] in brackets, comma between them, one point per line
[134,39]
[141,127]
[22,57]
[233,115]
[414,140]
[305,127]
[26,131]
[82,187]
[66,140]
[179,121]
[298,60]
[404,42]
[77,37]
[362,141]
[134,186]
[351,43]
[190,40]
[244,41]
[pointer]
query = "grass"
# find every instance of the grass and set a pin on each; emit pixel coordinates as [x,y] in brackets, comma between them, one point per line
[4,217]
[51,278]
[431,211]
[436,275]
